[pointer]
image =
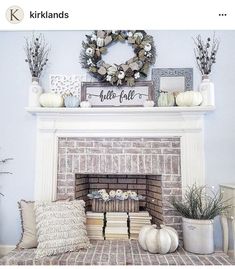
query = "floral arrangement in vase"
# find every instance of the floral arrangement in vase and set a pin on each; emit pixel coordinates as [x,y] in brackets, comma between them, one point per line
[36,50]
[115,195]
[205,54]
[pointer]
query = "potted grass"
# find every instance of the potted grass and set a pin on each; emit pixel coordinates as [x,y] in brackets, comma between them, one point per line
[198,208]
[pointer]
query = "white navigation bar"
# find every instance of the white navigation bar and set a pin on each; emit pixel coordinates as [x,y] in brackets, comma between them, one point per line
[112,14]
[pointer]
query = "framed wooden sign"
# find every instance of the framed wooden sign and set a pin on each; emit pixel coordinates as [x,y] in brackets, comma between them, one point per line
[103,94]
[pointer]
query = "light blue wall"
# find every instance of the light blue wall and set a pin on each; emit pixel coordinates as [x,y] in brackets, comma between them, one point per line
[17,127]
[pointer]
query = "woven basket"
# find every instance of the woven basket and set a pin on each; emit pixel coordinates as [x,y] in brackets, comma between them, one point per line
[128,205]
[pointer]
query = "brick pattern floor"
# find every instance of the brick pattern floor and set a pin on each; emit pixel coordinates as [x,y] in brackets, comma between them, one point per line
[116,253]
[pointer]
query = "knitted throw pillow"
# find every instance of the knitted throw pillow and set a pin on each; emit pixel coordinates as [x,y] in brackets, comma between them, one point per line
[60,227]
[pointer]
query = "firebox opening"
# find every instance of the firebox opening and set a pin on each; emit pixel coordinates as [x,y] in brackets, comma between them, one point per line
[147,185]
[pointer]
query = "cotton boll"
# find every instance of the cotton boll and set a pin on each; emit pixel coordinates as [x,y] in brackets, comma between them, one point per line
[147,47]
[137,75]
[90,52]
[93,37]
[108,78]
[129,34]
[121,75]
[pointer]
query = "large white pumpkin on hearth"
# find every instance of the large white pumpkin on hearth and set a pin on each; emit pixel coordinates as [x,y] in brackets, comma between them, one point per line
[164,240]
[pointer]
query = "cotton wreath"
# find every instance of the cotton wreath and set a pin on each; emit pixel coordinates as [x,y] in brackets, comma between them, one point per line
[123,74]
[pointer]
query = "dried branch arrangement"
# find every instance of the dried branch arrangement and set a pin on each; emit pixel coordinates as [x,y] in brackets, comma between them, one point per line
[37,51]
[205,53]
[4,172]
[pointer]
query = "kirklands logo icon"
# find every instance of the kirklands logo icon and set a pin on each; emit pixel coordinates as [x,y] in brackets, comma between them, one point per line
[14,14]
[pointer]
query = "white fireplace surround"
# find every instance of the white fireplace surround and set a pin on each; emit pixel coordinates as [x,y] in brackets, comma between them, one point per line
[52,123]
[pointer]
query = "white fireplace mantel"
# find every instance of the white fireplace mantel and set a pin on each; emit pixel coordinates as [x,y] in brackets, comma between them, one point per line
[119,110]
[52,123]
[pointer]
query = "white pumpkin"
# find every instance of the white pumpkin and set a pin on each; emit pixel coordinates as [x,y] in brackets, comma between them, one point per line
[112,194]
[85,104]
[119,193]
[100,42]
[51,100]
[142,235]
[148,103]
[125,195]
[161,241]
[102,191]
[105,196]
[173,235]
[166,99]
[189,98]
[133,195]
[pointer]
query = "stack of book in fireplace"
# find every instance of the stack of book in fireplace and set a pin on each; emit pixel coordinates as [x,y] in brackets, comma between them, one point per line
[94,225]
[137,221]
[116,225]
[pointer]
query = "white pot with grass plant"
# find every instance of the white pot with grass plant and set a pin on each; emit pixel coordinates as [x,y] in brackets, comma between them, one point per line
[198,208]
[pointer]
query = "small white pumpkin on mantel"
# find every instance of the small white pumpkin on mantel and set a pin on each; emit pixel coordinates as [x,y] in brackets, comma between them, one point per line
[85,104]
[166,99]
[148,103]
[51,100]
[189,98]
[164,240]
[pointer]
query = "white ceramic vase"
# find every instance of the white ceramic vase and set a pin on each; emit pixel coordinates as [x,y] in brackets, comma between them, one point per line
[35,90]
[208,92]
[198,236]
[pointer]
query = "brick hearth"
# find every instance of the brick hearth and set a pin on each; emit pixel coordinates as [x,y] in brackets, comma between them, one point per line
[115,253]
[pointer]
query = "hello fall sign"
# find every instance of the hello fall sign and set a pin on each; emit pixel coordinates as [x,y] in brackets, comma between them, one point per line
[104,94]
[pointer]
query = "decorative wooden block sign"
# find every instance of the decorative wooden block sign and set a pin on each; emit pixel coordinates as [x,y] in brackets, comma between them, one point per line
[103,94]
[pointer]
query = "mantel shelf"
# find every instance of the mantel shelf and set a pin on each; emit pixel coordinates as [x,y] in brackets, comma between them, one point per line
[119,110]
